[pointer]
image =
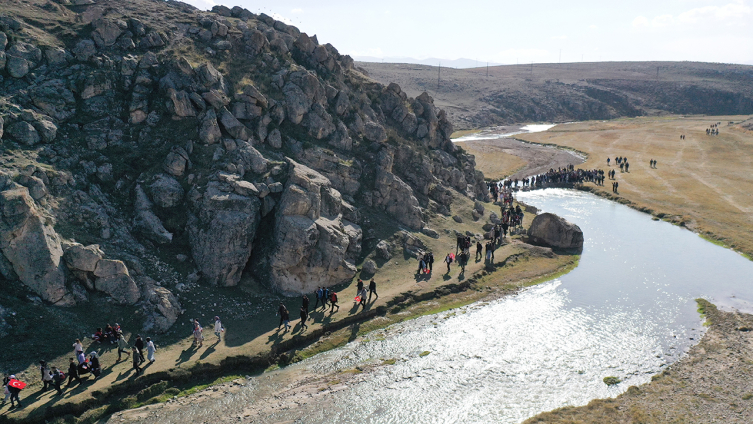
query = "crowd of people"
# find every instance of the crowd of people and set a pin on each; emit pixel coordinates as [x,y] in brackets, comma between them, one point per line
[82,365]
[713,129]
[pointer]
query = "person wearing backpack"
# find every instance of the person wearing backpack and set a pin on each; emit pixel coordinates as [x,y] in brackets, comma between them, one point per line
[333,300]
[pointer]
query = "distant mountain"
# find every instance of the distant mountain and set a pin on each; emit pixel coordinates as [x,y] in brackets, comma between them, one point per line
[432,61]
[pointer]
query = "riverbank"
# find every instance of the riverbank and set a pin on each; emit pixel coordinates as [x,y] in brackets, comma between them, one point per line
[710,384]
[701,182]
[180,367]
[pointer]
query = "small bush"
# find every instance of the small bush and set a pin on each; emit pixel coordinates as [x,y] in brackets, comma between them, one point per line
[611,381]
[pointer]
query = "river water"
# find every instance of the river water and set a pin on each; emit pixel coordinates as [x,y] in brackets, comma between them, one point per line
[494,133]
[627,310]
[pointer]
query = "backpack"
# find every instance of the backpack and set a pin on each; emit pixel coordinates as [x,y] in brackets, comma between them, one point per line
[334,297]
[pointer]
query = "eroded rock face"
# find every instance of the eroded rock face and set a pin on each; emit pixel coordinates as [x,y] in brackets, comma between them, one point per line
[221,232]
[114,279]
[314,245]
[32,247]
[164,308]
[551,230]
[396,197]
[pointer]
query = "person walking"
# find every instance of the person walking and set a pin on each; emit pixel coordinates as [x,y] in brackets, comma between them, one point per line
[6,380]
[304,317]
[285,318]
[281,311]
[139,344]
[333,301]
[325,297]
[96,368]
[372,289]
[362,295]
[319,293]
[14,392]
[218,328]
[305,303]
[46,375]
[150,349]
[431,262]
[448,261]
[136,361]
[123,346]
[198,335]
[73,373]
[57,380]
[478,250]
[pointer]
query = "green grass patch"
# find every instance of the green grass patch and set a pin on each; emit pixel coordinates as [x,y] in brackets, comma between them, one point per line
[390,361]
[424,353]
[611,381]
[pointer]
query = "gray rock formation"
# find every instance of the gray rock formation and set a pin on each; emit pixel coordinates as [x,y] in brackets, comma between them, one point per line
[114,279]
[221,233]
[32,247]
[146,222]
[314,245]
[551,230]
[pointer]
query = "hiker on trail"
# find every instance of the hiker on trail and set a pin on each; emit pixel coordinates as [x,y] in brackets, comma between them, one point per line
[282,311]
[627,167]
[123,346]
[608,160]
[46,375]
[319,295]
[57,380]
[73,373]
[325,297]
[616,186]
[198,337]
[77,348]
[478,250]
[139,343]
[430,262]
[359,287]
[448,261]
[463,260]
[622,166]
[14,392]
[333,301]
[136,361]
[372,289]
[305,303]
[6,380]
[218,328]
[362,294]
[304,317]
[421,265]
[96,368]
[150,349]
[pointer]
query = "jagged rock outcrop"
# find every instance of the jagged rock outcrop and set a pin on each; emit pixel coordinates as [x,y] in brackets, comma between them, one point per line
[314,245]
[163,308]
[553,231]
[221,232]
[113,278]
[146,222]
[32,247]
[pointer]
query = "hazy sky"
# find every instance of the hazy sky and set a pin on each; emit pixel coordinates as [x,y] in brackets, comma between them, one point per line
[523,31]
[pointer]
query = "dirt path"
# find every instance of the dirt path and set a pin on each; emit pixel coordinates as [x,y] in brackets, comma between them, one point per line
[534,159]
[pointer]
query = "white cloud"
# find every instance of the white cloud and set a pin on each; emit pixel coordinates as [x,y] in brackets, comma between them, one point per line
[662,21]
[297,10]
[560,37]
[640,22]
[736,10]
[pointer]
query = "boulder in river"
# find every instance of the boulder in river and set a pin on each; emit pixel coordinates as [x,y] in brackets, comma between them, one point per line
[551,230]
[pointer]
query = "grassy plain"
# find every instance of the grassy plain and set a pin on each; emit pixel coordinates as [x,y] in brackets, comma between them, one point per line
[701,182]
[493,160]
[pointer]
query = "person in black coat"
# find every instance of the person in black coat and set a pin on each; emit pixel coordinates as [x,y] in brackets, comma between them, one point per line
[139,345]
[73,373]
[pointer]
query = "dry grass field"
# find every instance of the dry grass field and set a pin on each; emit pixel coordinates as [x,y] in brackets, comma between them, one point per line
[494,160]
[702,182]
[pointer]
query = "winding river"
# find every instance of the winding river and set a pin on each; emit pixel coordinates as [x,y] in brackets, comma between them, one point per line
[627,310]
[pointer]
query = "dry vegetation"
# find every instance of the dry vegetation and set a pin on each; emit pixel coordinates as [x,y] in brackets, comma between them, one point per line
[702,182]
[493,160]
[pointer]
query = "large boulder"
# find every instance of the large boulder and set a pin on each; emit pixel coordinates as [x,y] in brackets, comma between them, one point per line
[221,233]
[32,247]
[551,230]
[209,130]
[396,198]
[166,191]
[164,307]
[113,278]
[83,258]
[146,222]
[24,133]
[314,246]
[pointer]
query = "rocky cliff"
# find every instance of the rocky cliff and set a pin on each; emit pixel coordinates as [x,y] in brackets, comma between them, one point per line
[146,143]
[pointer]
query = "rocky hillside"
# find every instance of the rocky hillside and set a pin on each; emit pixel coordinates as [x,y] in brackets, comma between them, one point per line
[576,91]
[148,147]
